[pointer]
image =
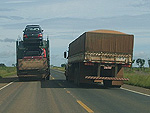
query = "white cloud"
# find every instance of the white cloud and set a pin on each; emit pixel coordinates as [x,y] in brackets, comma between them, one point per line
[76,8]
[17,2]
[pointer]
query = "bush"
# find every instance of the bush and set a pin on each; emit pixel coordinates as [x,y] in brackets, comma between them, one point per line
[2,65]
[63,65]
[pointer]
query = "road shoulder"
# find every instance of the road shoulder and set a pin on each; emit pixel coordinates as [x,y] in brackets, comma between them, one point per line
[137,89]
[7,80]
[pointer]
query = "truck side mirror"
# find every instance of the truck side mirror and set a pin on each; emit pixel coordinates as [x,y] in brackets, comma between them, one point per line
[65,54]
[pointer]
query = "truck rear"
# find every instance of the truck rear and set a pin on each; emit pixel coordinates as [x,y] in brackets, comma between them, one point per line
[99,56]
[33,61]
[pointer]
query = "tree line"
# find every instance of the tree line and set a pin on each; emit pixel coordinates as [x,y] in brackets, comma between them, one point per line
[141,62]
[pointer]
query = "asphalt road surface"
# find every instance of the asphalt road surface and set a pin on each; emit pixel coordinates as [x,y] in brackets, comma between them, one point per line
[59,96]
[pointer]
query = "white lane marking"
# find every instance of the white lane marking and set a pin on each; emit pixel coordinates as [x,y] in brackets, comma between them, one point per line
[6,86]
[135,92]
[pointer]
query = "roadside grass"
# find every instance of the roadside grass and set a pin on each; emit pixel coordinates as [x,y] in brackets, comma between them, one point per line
[7,71]
[58,68]
[138,77]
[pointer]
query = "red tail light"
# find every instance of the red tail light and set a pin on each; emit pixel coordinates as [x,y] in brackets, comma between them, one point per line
[25,36]
[39,35]
[44,51]
[127,65]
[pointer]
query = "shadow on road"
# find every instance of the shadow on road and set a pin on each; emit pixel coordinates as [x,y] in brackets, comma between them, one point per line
[16,79]
[8,79]
[56,83]
[66,84]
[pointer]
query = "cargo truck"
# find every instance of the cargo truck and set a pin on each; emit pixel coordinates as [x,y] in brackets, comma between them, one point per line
[33,60]
[99,57]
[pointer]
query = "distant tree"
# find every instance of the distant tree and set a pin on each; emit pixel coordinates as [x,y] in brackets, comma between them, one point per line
[140,62]
[149,62]
[2,65]
[63,65]
[51,66]
[132,62]
[14,65]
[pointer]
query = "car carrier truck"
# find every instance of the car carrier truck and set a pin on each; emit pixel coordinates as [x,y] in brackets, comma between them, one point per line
[99,57]
[33,60]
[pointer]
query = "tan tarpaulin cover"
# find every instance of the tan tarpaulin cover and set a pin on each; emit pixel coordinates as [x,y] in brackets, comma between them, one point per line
[102,41]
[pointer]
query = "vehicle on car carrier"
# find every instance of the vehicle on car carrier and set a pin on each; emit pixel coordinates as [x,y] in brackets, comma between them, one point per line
[33,34]
[99,57]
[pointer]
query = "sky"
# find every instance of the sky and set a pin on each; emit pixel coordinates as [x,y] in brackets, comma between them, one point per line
[65,20]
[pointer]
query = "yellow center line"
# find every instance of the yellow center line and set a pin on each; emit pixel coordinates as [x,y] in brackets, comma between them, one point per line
[68,91]
[85,107]
[79,102]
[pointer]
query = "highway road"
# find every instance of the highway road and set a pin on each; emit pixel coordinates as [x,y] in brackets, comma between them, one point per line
[59,96]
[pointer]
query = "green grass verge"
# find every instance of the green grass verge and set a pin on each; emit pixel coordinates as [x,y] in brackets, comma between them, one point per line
[138,77]
[7,71]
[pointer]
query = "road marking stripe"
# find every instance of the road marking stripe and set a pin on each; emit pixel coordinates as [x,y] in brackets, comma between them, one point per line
[68,91]
[85,107]
[135,92]
[79,102]
[6,85]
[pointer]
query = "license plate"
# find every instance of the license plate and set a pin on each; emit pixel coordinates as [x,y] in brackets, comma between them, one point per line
[107,67]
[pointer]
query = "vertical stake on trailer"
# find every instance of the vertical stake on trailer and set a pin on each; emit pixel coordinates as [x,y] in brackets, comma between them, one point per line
[17,55]
[17,50]
[99,70]
[116,70]
[47,51]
